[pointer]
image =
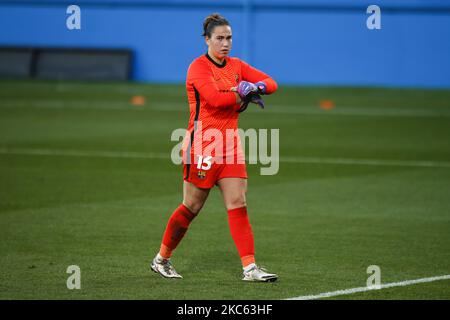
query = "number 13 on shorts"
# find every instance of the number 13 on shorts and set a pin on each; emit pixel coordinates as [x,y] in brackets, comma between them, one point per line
[204,163]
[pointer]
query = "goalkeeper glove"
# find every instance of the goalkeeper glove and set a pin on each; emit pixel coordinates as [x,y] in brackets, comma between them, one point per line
[261,86]
[245,88]
[253,98]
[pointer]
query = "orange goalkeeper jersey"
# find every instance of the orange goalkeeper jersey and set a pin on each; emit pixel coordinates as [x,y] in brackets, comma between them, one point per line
[213,106]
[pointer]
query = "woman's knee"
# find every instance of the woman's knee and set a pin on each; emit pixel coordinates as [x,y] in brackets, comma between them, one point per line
[193,206]
[194,198]
[237,201]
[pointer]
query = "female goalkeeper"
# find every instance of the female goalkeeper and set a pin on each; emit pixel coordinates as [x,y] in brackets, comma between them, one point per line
[219,88]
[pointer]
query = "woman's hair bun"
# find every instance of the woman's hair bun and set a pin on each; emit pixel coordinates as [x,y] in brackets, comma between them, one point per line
[212,21]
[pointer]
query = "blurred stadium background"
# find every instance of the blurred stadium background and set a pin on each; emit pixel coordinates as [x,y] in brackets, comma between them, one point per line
[85,171]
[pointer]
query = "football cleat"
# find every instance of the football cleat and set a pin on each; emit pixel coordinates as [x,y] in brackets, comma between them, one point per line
[164,268]
[259,274]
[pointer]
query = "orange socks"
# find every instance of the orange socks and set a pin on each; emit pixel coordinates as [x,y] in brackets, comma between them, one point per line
[240,229]
[176,228]
[242,234]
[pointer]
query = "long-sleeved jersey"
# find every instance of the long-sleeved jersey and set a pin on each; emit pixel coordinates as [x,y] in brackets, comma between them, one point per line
[213,106]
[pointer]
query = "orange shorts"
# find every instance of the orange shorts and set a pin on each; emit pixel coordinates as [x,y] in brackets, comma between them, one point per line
[208,176]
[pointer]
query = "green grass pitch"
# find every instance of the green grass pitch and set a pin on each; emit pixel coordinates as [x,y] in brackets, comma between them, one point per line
[367,183]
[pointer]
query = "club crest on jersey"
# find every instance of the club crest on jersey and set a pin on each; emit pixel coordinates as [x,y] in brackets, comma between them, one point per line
[236,76]
[201,174]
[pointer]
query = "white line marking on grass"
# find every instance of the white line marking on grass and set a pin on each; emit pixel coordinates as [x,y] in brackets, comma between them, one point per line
[164,156]
[368,162]
[183,107]
[338,111]
[365,289]
[361,111]
[81,153]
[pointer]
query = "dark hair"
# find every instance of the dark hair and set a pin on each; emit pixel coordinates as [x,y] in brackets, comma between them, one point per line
[212,21]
